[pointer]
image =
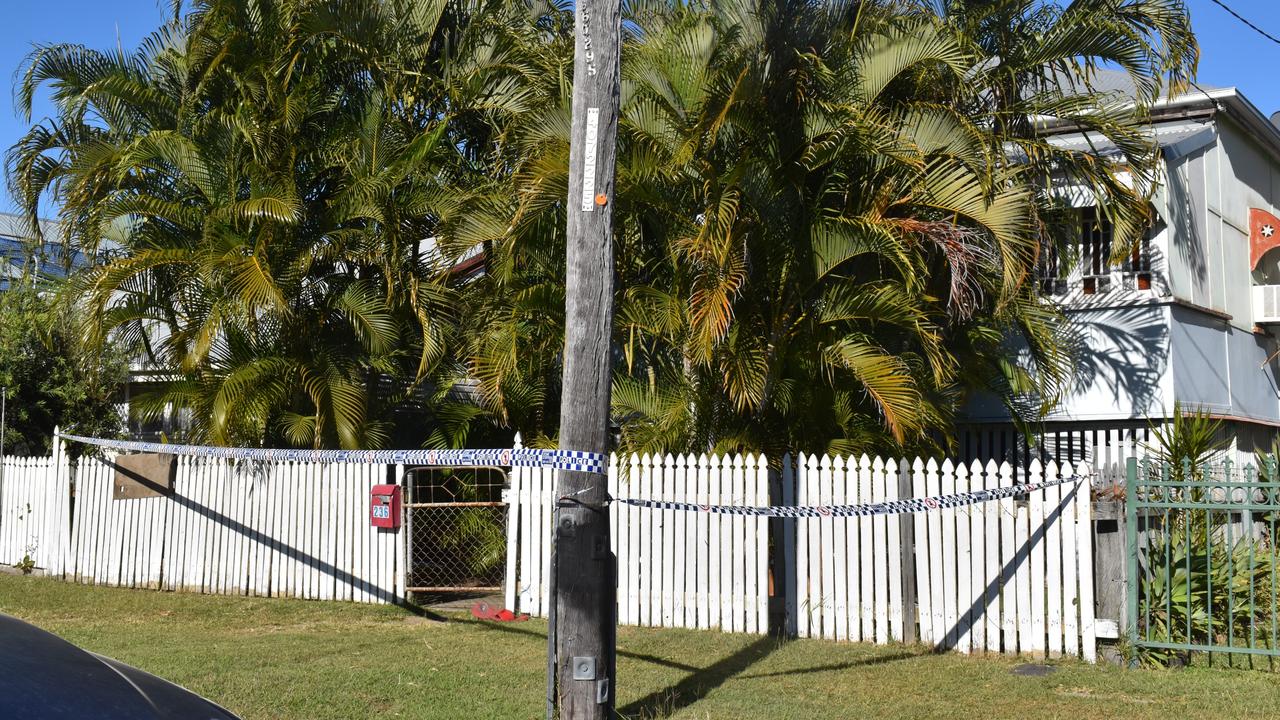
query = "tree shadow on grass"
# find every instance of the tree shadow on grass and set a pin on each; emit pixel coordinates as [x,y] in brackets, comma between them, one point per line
[515,629]
[669,700]
[701,681]
[836,667]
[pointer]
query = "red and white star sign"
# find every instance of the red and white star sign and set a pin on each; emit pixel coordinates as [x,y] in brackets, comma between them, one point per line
[1262,234]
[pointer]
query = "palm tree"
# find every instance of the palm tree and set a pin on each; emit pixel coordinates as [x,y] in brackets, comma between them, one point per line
[823,241]
[829,214]
[268,175]
[1042,68]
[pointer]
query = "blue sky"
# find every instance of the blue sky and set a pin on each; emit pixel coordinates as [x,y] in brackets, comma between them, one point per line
[96,23]
[1231,53]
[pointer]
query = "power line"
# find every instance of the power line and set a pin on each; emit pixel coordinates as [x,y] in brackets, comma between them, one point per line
[1244,20]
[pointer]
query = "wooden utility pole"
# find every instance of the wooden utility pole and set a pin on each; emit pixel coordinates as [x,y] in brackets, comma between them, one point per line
[585,592]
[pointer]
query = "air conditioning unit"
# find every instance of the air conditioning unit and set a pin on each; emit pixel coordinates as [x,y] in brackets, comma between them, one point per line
[1266,304]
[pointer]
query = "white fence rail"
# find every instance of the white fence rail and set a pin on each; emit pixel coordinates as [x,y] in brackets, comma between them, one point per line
[1013,576]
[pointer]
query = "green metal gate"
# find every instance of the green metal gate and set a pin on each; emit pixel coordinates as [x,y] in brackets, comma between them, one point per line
[1202,545]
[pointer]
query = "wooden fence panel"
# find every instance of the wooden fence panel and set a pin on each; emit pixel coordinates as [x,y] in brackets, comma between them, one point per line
[521,493]
[650,587]
[100,486]
[1070,571]
[35,513]
[790,588]
[964,563]
[844,556]
[762,527]
[280,529]
[991,568]
[1053,585]
[977,601]
[894,560]
[935,587]
[1084,563]
[1002,576]
[920,521]
[803,575]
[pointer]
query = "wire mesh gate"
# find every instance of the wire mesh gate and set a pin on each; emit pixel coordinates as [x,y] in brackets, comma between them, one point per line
[1203,547]
[457,524]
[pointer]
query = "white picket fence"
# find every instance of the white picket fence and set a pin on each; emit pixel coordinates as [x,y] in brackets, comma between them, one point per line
[675,569]
[35,512]
[272,529]
[1012,576]
[1004,576]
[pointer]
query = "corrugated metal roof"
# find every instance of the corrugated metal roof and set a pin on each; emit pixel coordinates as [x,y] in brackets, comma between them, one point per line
[1119,84]
[1172,138]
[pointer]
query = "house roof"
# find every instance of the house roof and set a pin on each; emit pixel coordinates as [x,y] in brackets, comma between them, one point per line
[1120,84]
[1174,139]
[18,247]
[1181,121]
[1230,102]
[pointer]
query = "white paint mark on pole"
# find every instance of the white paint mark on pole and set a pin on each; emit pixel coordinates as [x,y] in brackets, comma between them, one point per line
[589,161]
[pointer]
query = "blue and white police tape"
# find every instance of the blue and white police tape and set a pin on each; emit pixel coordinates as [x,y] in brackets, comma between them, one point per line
[891,507]
[573,460]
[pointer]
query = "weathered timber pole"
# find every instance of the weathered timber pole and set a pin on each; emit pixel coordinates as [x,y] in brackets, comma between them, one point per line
[585,593]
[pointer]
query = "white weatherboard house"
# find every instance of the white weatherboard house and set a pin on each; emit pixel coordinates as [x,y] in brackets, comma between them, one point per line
[1191,317]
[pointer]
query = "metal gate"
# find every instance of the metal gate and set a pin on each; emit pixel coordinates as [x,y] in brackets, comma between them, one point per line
[457,524]
[1202,545]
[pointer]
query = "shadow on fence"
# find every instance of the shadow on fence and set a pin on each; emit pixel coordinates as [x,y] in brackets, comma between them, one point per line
[978,609]
[262,539]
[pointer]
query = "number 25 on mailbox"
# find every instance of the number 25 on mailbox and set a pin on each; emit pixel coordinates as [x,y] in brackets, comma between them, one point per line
[384,506]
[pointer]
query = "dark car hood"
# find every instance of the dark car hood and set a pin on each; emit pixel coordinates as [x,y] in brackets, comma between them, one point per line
[44,677]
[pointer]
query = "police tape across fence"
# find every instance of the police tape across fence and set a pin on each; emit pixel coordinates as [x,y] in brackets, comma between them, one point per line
[891,507]
[572,460]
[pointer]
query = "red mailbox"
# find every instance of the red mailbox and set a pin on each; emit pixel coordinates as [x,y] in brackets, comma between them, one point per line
[384,506]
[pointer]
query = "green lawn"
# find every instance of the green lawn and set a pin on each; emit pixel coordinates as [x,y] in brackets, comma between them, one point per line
[297,659]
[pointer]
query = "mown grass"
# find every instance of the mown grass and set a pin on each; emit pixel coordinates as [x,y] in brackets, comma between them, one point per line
[311,660]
